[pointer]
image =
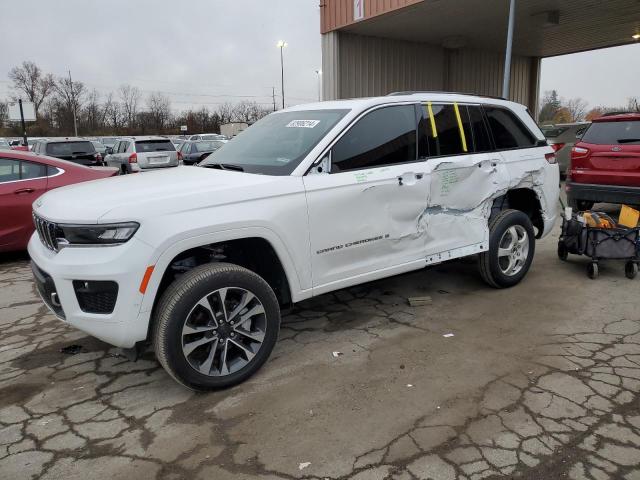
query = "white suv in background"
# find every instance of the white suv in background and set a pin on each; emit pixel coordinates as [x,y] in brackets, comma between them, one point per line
[133,154]
[314,198]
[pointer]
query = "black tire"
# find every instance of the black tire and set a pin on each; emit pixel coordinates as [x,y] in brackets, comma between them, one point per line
[631,270]
[593,271]
[580,205]
[180,299]
[490,268]
[563,252]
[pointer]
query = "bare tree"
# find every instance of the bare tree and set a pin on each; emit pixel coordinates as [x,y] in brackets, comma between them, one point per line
[4,113]
[92,113]
[69,99]
[29,79]
[634,104]
[159,107]
[130,97]
[225,112]
[576,107]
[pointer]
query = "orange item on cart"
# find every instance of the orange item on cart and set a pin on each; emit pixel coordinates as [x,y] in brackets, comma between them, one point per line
[629,217]
[599,220]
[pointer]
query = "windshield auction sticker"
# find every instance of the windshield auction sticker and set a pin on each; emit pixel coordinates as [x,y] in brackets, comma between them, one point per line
[303,123]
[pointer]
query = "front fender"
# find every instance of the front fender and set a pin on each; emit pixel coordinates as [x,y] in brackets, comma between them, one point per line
[161,262]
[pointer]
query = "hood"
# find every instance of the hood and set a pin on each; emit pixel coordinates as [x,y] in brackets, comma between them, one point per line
[153,193]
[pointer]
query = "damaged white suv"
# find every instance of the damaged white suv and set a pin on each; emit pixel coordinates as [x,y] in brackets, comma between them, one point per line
[199,260]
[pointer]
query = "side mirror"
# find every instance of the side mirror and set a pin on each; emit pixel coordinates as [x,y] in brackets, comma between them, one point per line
[108,151]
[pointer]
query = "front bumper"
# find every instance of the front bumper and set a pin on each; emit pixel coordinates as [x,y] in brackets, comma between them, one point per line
[603,193]
[123,264]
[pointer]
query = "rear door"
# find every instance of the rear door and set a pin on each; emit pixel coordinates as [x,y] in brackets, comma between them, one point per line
[156,153]
[612,154]
[464,172]
[21,183]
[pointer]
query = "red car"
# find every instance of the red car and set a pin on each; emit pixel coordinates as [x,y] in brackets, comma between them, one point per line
[605,163]
[24,177]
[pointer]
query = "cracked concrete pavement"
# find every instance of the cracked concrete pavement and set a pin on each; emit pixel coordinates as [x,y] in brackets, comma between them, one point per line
[538,382]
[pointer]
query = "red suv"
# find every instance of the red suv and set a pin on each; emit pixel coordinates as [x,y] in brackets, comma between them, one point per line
[605,163]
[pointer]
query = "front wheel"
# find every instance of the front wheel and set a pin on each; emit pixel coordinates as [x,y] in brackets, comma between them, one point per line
[215,326]
[511,249]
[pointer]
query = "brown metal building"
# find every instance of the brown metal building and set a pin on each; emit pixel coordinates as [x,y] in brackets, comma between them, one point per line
[374,47]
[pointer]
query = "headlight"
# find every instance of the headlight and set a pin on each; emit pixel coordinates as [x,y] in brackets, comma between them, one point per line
[108,234]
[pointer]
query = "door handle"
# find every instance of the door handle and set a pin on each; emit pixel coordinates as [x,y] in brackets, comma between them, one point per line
[24,190]
[409,178]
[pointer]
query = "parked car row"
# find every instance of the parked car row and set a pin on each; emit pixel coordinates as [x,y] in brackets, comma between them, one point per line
[24,176]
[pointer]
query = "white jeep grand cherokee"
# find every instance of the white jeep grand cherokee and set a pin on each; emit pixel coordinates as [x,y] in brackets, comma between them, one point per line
[199,260]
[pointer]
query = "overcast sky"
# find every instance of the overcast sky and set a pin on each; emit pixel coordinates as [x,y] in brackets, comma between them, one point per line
[204,52]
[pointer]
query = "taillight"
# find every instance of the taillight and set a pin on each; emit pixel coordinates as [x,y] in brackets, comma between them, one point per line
[133,158]
[98,157]
[579,152]
[557,146]
[180,156]
[551,158]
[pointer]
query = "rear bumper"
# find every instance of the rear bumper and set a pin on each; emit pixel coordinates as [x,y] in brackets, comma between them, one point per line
[603,193]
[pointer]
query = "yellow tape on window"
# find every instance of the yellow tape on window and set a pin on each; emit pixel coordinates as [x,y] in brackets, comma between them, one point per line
[434,130]
[463,137]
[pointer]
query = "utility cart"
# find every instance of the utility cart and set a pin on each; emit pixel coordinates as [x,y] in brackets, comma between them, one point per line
[617,243]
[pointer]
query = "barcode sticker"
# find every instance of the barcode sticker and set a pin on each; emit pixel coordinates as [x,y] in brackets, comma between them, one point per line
[303,123]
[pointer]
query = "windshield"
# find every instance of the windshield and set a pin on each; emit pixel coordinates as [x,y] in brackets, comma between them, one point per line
[208,146]
[613,133]
[278,143]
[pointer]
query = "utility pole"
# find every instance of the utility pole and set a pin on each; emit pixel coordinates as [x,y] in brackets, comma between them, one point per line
[24,127]
[282,44]
[73,107]
[273,93]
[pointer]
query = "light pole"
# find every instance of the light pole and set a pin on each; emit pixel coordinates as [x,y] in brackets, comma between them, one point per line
[319,72]
[281,45]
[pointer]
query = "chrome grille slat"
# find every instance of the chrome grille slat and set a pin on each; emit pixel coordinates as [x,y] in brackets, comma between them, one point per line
[46,232]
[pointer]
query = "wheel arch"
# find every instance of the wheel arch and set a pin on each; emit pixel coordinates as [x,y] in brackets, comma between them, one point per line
[262,240]
[525,200]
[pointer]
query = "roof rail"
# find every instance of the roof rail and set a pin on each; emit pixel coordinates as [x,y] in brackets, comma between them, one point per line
[415,92]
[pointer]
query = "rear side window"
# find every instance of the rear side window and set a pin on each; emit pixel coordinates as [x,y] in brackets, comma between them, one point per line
[70,148]
[154,146]
[32,170]
[481,136]
[385,136]
[9,170]
[613,133]
[444,130]
[508,130]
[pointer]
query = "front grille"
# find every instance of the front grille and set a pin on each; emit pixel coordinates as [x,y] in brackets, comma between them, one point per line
[96,296]
[47,289]
[48,232]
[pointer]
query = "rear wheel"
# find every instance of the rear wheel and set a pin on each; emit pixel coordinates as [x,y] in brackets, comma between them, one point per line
[215,326]
[511,249]
[631,270]
[563,252]
[593,271]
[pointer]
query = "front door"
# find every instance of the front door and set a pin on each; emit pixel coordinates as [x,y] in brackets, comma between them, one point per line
[367,214]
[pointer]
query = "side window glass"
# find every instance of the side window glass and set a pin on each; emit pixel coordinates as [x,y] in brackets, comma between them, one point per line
[507,129]
[32,170]
[9,170]
[481,138]
[383,137]
[444,130]
[52,171]
[123,147]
